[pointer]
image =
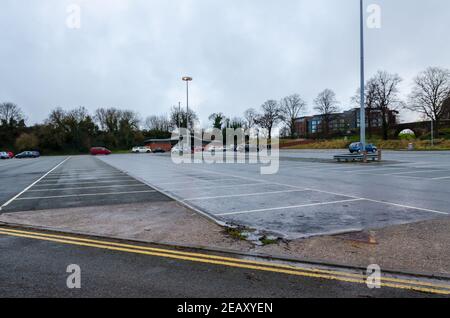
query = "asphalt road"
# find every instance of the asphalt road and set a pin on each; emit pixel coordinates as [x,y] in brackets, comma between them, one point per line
[71,182]
[37,268]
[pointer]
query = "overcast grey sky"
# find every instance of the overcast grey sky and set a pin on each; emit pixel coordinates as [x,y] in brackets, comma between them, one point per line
[133,53]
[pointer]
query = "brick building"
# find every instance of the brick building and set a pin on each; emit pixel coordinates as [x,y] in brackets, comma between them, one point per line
[168,144]
[447,109]
[345,122]
[164,144]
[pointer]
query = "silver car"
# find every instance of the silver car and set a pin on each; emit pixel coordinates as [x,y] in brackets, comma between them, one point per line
[4,155]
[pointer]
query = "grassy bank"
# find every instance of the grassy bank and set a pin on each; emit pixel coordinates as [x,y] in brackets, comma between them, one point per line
[77,153]
[421,145]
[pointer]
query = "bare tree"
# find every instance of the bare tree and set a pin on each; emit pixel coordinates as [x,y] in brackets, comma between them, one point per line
[326,105]
[129,119]
[370,102]
[181,118]
[80,113]
[386,97]
[430,92]
[291,107]
[73,127]
[235,123]
[108,119]
[218,120]
[250,116]
[56,118]
[160,123]
[10,113]
[122,124]
[271,115]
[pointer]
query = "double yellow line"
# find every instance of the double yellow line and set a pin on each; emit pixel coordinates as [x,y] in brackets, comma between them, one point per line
[391,282]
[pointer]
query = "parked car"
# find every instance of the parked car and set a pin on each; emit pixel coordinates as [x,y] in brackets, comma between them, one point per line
[159,150]
[28,154]
[95,151]
[248,148]
[215,149]
[199,149]
[141,150]
[4,155]
[11,155]
[231,148]
[181,149]
[357,147]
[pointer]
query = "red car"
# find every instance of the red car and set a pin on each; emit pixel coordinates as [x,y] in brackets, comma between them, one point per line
[95,151]
[10,154]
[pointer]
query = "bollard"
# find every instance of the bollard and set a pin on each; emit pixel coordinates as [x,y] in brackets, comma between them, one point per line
[379,155]
[365,157]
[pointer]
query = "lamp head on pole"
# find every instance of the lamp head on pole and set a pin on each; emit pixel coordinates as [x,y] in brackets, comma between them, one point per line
[187,79]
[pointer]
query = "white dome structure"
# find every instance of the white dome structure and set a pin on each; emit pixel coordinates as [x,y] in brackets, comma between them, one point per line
[407,132]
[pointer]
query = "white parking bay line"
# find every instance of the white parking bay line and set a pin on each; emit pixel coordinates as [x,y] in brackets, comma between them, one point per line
[408,207]
[397,176]
[244,195]
[441,178]
[97,187]
[84,195]
[69,176]
[411,172]
[289,207]
[31,185]
[82,170]
[46,180]
[375,169]
[83,182]
[384,202]
[195,180]
[190,187]
[71,171]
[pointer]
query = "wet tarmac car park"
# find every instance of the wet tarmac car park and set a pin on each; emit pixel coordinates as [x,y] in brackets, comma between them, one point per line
[310,195]
[72,182]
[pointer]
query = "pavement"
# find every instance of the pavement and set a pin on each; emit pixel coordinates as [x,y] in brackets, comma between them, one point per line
[35,264]
[161,222]
[310,195]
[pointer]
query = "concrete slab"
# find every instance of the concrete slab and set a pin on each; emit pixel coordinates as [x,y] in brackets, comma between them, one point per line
[337,218]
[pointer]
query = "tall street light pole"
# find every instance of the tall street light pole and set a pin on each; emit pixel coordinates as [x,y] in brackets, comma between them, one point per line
[432,131]
[187,79]
[362,121]
[179,114]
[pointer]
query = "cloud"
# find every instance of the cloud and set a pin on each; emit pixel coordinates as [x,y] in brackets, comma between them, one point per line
[133,53]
